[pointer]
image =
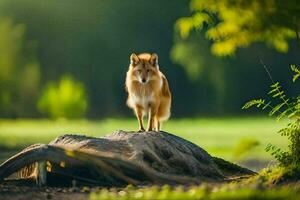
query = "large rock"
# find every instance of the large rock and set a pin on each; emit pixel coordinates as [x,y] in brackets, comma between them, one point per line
[121,158]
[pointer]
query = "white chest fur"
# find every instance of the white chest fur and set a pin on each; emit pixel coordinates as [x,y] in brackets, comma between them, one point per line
[142,98]
[144,94]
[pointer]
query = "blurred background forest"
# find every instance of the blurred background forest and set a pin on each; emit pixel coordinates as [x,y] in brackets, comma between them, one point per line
[64,58]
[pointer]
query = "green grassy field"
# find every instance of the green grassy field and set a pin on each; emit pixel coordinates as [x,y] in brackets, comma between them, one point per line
[219,136]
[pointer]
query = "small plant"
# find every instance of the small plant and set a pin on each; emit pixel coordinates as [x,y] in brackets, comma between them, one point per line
[64,100]
[283,107]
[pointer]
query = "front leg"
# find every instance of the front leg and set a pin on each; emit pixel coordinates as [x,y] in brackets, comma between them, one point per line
[151,120]
[157,124]
[139,115]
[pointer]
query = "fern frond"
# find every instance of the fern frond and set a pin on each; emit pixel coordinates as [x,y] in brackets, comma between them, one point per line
[297,72]
[276,109]
[267,105]
[273,91]
[275,85]
[254,102]
[294,114]
[272,148]
[276,90]
[283,114]
[279,93]
[286,131]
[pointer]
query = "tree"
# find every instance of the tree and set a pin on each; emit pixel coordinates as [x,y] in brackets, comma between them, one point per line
[19,70]
[232,24]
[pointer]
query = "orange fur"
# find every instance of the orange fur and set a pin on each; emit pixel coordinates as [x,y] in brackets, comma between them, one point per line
[148,91]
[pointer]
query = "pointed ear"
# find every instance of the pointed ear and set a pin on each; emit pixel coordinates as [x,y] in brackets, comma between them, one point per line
[134,59]
[154,59]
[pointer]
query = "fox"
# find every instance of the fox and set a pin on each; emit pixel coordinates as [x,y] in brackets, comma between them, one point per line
[148,91]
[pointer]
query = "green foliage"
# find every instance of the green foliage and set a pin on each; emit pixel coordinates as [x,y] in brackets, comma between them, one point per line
[234,24]
[284,108]
[19,70]
[244,146]
[296,71]
[193,193]
[183,53]
[64,100]
[275,176]
[201,68]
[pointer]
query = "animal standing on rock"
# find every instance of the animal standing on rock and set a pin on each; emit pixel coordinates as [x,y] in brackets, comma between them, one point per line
[148,91]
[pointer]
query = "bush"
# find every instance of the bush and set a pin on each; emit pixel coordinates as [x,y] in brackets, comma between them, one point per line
[64,100]
[285,108]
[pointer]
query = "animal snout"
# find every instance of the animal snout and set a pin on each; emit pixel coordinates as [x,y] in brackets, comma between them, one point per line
[143,80]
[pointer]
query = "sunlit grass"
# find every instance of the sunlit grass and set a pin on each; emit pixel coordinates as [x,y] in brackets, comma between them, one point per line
[218,136]
[226,192]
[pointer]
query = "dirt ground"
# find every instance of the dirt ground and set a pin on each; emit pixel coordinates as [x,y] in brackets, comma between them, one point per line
[15,192]
[41,194]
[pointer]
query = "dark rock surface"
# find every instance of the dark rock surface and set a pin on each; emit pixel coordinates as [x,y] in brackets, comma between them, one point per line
[121,158]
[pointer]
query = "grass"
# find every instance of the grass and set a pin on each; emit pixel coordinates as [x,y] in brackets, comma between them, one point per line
[202,192]
[219,136]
